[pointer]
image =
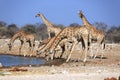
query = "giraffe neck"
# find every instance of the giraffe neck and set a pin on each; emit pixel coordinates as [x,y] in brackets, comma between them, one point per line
[50,42]
[87,24]
[47,23]
[14,38]
[85,21]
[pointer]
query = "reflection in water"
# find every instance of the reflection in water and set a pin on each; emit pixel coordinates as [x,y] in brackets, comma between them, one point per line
[8,60]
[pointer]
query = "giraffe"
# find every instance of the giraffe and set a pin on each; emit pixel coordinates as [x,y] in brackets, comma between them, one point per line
[62,47]
[95,34]
[72,34]
[51,28]
[23,37]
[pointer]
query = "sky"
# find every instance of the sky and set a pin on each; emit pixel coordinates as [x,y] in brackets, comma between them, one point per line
[22,12]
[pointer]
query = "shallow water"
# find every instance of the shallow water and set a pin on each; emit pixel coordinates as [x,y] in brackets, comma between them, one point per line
[9,60]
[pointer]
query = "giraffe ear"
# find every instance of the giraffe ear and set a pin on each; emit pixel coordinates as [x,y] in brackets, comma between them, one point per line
[79,11]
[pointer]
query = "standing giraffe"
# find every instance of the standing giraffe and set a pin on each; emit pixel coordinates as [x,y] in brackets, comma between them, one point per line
[95,34]
[72,34]
[50,27]
[23,37]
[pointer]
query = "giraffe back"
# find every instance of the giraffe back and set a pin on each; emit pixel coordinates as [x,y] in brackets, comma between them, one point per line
[69,33]
[96,34]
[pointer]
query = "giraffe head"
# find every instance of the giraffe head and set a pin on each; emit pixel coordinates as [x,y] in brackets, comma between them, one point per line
[10,46]
[80,13]
[39,52]
[39,14]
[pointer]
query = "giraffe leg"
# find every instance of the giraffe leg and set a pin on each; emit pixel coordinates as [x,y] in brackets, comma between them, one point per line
[25,53]
[52,55]
[32,50]
[20,47]
[90,46]
[58,52]
[31,47]
[71,50]
[65,51]
[91,51]
[98,47]
[83,47]
[47,57]
[85,59]
[85,39]
[103,46]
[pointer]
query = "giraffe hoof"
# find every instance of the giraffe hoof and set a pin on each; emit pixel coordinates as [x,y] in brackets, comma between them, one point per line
[84,60]
[67,61]
[94,57]
[24,55]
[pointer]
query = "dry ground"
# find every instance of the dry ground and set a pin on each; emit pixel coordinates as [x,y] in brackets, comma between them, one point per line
[94,69]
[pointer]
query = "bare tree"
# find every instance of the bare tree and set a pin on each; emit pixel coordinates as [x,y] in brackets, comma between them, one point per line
[101,26]
[113,34]
[3,29]
[29,28]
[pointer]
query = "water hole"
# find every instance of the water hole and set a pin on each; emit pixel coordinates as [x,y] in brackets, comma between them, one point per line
[10,60]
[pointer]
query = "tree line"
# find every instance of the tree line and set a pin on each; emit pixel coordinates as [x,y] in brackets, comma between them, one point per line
[112,33]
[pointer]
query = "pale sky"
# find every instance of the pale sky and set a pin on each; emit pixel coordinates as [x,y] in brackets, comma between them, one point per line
[64,12]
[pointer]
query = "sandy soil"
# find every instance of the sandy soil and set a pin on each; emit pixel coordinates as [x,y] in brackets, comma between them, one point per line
[93,69]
